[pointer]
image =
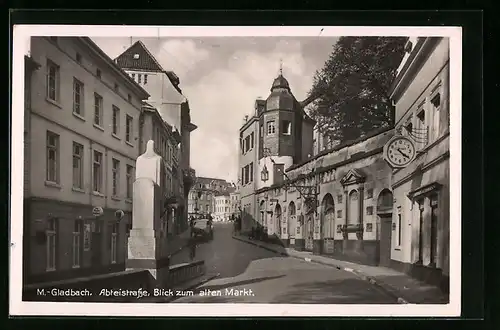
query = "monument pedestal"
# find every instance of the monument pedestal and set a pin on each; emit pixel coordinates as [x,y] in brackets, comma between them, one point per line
[145,243]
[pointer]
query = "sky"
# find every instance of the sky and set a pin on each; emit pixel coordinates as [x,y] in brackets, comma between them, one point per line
[222,77]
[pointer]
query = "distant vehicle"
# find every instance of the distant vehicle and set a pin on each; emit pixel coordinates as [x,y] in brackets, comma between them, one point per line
[202,228]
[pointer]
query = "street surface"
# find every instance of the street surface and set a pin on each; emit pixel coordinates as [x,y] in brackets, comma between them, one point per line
[249,274]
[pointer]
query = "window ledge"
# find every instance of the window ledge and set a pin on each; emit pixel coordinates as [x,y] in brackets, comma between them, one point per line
[75,267]
[113,262]
[50,270]
[129,144]
[116,198]
[115,136]
[98,194]
[98,127]
[75,189]
[52,184]
[128,200]
[79,116]
[55,103]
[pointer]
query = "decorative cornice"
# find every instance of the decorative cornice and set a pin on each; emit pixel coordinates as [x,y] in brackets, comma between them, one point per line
[424,190]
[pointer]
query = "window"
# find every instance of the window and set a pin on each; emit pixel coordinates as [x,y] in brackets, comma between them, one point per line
[261,130]
[436,106]
[251,140]
[247,144]
[78,58]
[369,210]
[128,128]
[271,128]
[369,193]
[116,177]
[77,243]
[97,172]
[98,109]
[250,170]
[139,78]
[116,120]
[287,127]
[400,230]
[78,97]
[98,73]
[129,98]
[77,166]
[339,213]
[145,79]
[114,241]
[50,234]
[52,81]
[339,199]
[52,157]
[422,130]
[116,88]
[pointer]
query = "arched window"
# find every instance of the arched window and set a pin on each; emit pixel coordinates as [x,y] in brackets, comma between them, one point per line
[353,217]
[328,216]
[384,201]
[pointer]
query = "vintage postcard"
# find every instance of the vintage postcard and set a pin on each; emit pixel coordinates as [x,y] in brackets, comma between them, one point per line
[249,171]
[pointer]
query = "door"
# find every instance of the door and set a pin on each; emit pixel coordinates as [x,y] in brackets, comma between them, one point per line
[309,233]
[385,240]
[95,243]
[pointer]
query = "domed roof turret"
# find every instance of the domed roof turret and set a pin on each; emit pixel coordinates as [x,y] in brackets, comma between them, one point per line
[280,82]
[281,97]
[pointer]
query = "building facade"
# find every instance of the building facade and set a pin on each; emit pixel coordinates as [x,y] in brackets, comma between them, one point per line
[203,193]
[421,190]
[173,107]
[222,206]
[333,203]
[234,199]
[278,135]
[82,108]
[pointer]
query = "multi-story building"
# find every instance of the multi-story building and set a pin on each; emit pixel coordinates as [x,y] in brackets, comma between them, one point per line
[278,135]
[173,107]
[234,199]
[327,202]
[222,206]
[82,108]
[420,243]
[202,194]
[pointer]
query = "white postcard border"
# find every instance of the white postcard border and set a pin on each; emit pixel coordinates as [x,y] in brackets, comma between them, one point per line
[22,33]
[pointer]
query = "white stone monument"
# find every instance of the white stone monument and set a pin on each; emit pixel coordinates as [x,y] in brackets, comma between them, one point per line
[145,241]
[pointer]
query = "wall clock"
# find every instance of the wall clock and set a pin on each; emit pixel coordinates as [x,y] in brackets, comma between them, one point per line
[399,151]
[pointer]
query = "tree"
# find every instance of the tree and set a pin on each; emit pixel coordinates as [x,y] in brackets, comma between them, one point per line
[352,86]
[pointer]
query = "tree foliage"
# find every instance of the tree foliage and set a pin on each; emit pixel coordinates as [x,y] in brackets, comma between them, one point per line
[353,84]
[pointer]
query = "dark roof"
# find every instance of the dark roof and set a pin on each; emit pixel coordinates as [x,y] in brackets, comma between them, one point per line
[131,82]
[280,82]
[138,57]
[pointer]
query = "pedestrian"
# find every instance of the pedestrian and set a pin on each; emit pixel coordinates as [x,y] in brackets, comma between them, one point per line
[192,247]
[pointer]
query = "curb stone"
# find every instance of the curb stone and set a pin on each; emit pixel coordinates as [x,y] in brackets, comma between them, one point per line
[384,287]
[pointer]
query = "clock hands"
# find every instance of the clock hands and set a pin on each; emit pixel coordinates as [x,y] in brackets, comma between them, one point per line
[402,153]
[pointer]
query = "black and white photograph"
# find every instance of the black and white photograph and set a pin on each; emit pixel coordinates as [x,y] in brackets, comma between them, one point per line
[250,171]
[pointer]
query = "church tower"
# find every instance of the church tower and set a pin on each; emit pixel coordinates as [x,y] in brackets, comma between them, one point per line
[285,133]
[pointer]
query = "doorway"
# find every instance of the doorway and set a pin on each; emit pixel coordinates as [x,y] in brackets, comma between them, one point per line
[385,239]
[95,243]
[309,233]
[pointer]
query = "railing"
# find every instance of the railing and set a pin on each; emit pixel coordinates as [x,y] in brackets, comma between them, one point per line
[185,272]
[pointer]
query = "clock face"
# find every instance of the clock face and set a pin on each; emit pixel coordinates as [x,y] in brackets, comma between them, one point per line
[400,152]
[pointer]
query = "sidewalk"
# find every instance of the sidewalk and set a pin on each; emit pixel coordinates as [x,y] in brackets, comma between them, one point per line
[402,287]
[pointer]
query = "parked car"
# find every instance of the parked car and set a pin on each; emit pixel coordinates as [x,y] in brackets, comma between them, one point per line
[202,228]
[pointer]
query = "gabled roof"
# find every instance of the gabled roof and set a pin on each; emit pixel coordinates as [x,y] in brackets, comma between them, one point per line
[138,57]
[354,175]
